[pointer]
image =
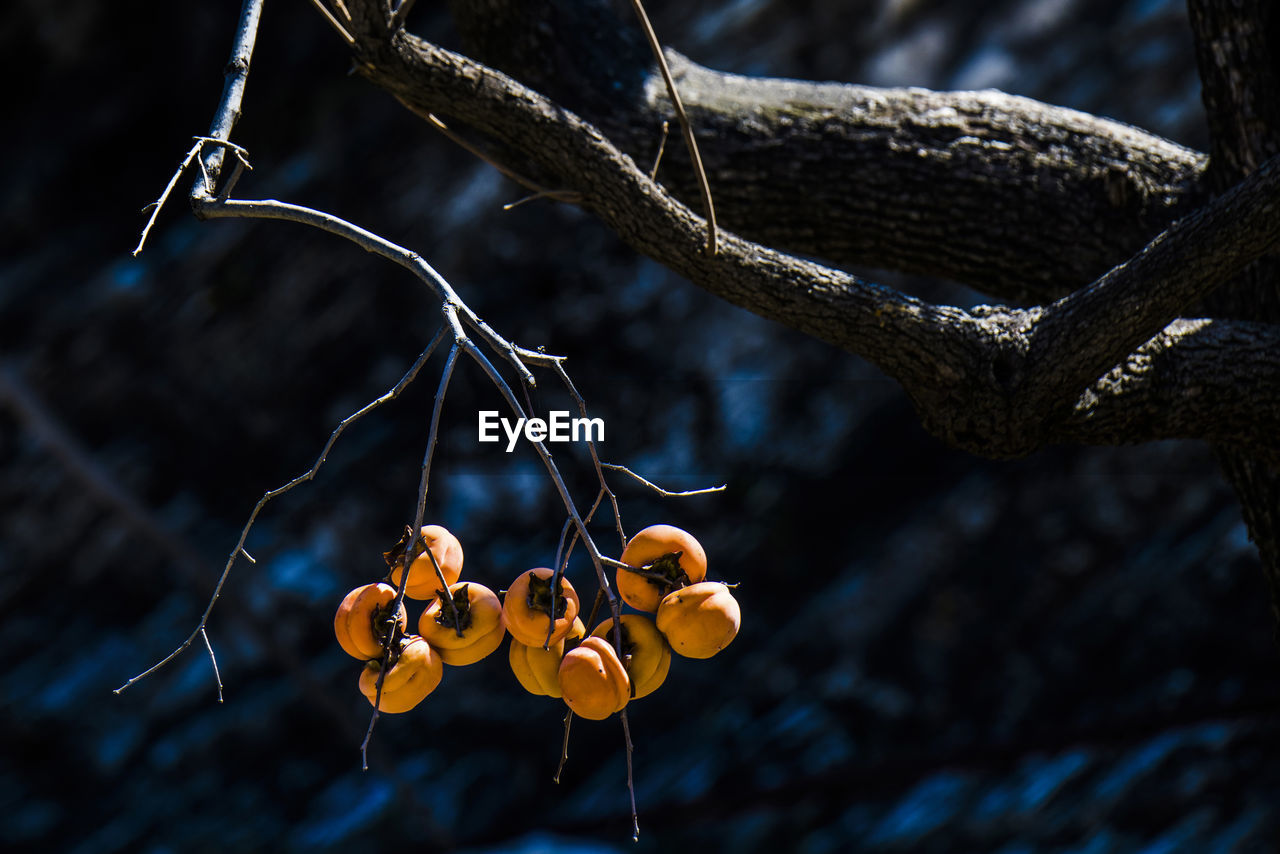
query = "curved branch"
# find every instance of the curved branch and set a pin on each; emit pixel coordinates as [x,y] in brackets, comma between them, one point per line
[1205,379]
[1015,198]
[969,373]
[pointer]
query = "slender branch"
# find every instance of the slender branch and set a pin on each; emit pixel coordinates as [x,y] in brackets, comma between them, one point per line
[183,166]
[695,157]
[333,22]
[631,779]
[228,112]
[419,514]
[1083,335]
[595,458]
[239,549]
[658,489]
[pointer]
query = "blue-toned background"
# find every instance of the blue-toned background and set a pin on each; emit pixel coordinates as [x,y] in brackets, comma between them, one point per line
[1068,653]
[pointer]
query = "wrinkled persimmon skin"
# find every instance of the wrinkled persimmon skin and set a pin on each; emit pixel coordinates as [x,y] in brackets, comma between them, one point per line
[537,669]
[648,546]
[423,581]
[699,620]
[355,622]
[530,626]
[415,674]
[647,650]
[593,682]
[483,628]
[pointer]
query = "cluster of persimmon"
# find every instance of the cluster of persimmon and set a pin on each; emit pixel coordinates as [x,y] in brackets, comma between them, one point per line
[551,652]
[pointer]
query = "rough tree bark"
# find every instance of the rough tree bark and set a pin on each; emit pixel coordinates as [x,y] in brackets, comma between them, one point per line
[1096,236]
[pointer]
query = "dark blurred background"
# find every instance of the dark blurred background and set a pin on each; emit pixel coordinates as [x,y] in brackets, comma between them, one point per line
[1071,652]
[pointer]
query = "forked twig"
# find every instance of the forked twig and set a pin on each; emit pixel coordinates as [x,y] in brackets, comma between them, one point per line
[154,207]
[564,746]
[278,491]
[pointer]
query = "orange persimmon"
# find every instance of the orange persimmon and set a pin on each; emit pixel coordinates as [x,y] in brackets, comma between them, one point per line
[699,620]
[527,607]
[645,652]
[537,669]
[415,673]
[668,552]
[423,581]
[479,618]
[593,681]
[361,622]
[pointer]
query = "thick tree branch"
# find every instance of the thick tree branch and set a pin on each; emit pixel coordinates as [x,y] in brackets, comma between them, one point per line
[1018,199]
[1207,379]
[1083,334]
[1238,49]
[972,375]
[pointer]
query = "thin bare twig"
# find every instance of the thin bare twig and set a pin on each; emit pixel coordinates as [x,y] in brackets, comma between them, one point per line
[333,22]
[217,677]
[419,514]
[564,746]
[158,204]
[631,780]
[595,455]
[280,490]
[658,489]
[402,12]
[694,156]
[567,196]
[662,147]
[237,75]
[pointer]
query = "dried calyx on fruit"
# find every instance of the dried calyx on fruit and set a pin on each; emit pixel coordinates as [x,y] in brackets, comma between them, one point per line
[415,673]
[537,611]
[432,541]
[363,623]
[479,628]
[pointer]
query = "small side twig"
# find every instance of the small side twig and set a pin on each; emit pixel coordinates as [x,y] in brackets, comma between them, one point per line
[631,780]
[419,514]
[158,204]
[658,489]
[564,746]
[662,147]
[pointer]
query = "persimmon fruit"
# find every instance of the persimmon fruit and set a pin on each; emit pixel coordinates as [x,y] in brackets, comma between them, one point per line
[415,673]
[665,551]
[699,620]
[479,620]
[361,623]
[645,652]
[423,581]
[537,669]
[530,602]
[593,682]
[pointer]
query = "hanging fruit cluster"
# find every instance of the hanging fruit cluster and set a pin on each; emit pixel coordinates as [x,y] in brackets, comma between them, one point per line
[551,652]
